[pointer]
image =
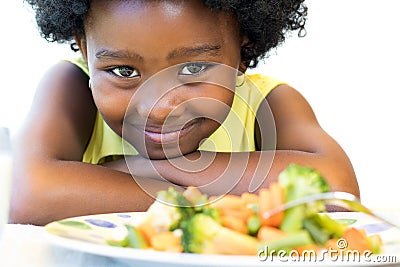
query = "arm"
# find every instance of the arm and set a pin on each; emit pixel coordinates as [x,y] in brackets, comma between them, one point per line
[300,139]
[50,181]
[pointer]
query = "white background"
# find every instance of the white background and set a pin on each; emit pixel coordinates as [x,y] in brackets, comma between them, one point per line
[347,67]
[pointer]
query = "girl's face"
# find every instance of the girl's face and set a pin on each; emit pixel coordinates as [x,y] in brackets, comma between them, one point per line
[153,72]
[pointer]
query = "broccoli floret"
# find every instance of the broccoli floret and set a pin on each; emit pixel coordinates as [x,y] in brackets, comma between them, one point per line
[170,208]
[299,181]
[173,207]
[198,232]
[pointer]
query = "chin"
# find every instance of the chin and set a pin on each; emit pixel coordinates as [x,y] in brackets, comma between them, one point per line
[160,153]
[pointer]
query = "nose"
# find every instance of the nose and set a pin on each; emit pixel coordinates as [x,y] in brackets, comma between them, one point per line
[160,109]
[159,98]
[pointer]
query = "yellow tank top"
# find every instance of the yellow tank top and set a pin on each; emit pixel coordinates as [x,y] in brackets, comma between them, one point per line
[236,134]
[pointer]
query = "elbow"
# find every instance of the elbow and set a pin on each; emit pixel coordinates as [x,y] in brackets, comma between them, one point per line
[26,203]
[26,210]
[344,181]
[23,209]
[19,214]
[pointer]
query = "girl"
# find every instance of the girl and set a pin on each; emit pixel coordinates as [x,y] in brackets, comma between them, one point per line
[166,76]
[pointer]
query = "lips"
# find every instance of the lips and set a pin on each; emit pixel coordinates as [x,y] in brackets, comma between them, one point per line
[166,135]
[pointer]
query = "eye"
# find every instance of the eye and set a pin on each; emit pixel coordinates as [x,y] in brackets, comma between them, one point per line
[194,68]
[125,72]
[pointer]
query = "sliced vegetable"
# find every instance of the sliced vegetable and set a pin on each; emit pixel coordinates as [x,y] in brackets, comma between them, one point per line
[356,240]
[203,234]
[264,205]
[269,234]
[319,234]
[311,249]
[253,225]
[234,223]
[135,238]
[375,241]
[228,202]
[249,198]
[322,228]
[288,242]
[166,241]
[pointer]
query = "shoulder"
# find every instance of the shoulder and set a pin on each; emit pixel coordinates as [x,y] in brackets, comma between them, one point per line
[64,87]
[65,75]
[282,99]
[264,83]
[290,107]
[255,88]
[65,72]
[80,63]
[268,85]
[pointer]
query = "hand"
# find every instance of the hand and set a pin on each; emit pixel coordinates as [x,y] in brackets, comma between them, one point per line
[168,169]
[139,166]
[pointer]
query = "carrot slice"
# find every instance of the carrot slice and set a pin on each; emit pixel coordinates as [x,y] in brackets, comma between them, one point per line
[268,199]
[234,243]
[264,205]
[249,198]
[166,241]
[309,249]
[228,202]
[234,223]
[269,233]
[146,229]
[352,239]
[277,198]
[242,213]
[332,244]
[356,240]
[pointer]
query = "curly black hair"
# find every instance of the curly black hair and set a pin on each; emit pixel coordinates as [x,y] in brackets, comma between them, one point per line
[265,23]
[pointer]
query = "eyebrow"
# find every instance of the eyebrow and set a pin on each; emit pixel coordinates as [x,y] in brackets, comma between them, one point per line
[204,49]
[105,53]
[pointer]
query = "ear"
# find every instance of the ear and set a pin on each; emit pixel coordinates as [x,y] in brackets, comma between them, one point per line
[243,64]
[242,67]
[81,42]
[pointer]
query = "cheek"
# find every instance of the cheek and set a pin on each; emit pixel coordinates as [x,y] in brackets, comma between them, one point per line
[112,105]
[214,102]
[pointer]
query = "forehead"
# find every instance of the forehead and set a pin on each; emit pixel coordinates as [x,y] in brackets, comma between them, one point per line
[146,8]
[152,31]
[178,16]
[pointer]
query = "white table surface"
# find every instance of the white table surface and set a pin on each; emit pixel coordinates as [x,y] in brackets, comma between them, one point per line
[27,245]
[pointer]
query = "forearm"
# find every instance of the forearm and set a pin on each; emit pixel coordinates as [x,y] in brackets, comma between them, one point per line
[244,172]
[52,190]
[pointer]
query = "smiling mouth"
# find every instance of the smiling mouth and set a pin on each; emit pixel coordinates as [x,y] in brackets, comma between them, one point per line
[164,136]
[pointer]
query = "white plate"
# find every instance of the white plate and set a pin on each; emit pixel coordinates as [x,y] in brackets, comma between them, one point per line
[89,234]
